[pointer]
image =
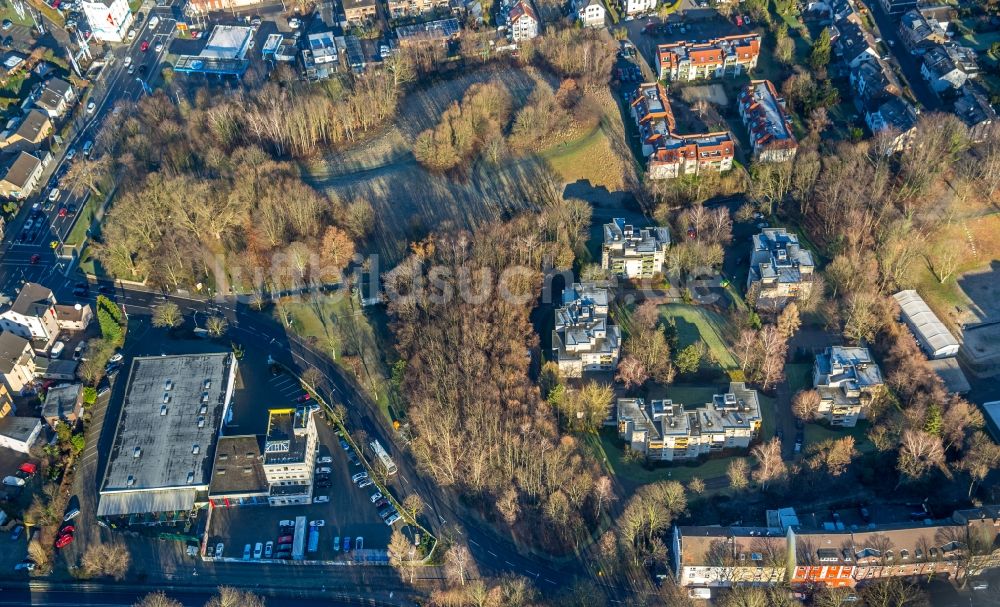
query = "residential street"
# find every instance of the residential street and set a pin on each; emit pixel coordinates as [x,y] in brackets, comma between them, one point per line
[909,64]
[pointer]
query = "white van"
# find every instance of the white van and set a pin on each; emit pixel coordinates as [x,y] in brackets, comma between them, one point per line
[153,22]
[56,350]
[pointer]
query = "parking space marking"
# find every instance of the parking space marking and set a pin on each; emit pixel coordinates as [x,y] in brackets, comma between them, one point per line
[473,542]
[492,553]
[509,563]
[549,581]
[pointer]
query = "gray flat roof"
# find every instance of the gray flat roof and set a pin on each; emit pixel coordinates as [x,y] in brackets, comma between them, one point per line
[238,467]
[925,323]
[155,441]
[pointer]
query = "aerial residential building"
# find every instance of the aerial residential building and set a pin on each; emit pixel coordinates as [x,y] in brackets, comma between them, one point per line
[290,456]
[639,7]
[976,111]
[359,11]
[983,528]
[670,154]
[631,252]
[591,13]
[405,8]
[109,20]
[238,473]
[63,403]
[55,97]
[871,86]
[22,176]
[898,7]
[768,123]
[895,117]
[665,431]
[846,379]
[715,58]
[948,67]
[854,45]
[523,21]
[19,433]
[919,32]
[6,402]
[780,270]
[429,33]
[160,465]
[27,134]
[32,315]
[584,339]
[720,557]
[17,361]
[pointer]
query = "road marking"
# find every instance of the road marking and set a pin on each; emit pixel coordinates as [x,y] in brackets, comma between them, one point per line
[548,580]
[509,563]
[473,542]
[531,573]
[492,553]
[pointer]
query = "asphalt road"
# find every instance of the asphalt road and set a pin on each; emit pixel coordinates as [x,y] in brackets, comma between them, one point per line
[909,64]
[100,597]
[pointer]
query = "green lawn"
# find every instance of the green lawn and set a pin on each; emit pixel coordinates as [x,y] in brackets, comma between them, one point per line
[799,376]
[79,232]
[697,322]
[817,433]
[7,12]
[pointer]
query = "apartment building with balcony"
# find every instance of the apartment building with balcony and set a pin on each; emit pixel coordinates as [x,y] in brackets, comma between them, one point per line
[409,8]
[667,431]
[631,252]
[846,379]
[671,154]
[720,557]
[584,340]
[781,270]
[767,121]
[716,58]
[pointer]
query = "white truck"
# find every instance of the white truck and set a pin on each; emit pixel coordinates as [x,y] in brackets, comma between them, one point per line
[299,539]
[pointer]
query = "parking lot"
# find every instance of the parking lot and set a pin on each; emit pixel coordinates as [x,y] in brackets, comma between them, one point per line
[349,513]
[698,24]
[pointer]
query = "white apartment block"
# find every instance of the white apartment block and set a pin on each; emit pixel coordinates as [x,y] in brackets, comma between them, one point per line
[639,7]
[666,431]
[631,252]
[290,456]
[32,315]
[584,340]
[523,21]
[780,269]
[109,19]
[845,378]
[591,13]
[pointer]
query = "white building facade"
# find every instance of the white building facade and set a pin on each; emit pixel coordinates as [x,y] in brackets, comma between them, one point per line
[109,20]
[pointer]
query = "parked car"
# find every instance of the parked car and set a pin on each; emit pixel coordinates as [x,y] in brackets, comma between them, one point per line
[218,548]
[116,357]
[64,540]
[258,549]
[375,496]
[13,481]
[323,470]
[382,503]
[359,543]
[321,499]
[359,476]
[286,523]
[392,520]
[317,523]
[247,551]
[25,565]
[268,550]
[28,469]
[91,106]
[285,539]
[326,459]
[347,544]
[336,544]
[365,483]
[72,509]
[344,445]
[16,532]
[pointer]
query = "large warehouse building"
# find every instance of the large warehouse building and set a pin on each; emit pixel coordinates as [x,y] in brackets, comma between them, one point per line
[934,337]
[160,465]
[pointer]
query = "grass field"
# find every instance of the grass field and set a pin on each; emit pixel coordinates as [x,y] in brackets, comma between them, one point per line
[697,322]
[817,433]
[588,158]
[87,214]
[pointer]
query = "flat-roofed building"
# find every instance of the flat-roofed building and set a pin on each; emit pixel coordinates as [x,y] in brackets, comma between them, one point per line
[781,270]
[768,123]
[584,340]
[715,58]
[19,433]
[238,477]
[360,11]
[290,455]
[846,379]
[667,431]
[934,338]
[160,465]
[631,252]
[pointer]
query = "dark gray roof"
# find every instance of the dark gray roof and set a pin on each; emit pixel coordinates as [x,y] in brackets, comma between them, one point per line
[62,401]
[58,86]
[32,125]
[19,428]
[238,468]
[20,172]
[11,349]
[33,300]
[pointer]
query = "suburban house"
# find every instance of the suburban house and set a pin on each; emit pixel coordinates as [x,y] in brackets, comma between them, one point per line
[948,67]
[55,97]
[591,13]
[715,58]
[919,33]
[781,270]
[405,8]
[670,154]
[109,20]
[898,7]
[768,123]
[238,473]
[719,557]
[420,34]
[523,21]
[73,318]
[974,108]
[853,44]
[894,116]
[666,431]
[26,135]
[17,361]
[19,433]
[634,8]
[359,11]
[631,252]
[22,176]
[290,456]
[871,86]
[846,379]
[32,315]
[63,403]
[584,339]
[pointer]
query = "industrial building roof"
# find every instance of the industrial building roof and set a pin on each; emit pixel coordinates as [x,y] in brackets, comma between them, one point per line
[238,469]
[173,411]
[924,322]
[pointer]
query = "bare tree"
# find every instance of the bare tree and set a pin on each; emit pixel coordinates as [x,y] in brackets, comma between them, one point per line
[167,315]
[111,560]
[646,316]
[771,468]
[401,554]
[458,563]
[313,378]
[919,453]
[789,321]
[893,592]
[234,597]
[696,485]
[805,405]
[604,493]
[631,372]
[981,457]
[216,325]
[158,599]
[738,473]
[413,506]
